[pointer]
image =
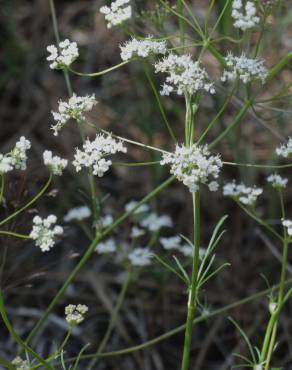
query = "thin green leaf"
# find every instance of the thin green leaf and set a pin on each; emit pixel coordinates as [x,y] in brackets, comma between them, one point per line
[170,268]
[182,269]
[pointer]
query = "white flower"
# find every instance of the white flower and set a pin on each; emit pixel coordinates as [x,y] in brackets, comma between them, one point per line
[172,242]
[285,150]
[277,181]
[108,246]
[188,251]
[106,220]
[258,367]
[75,313]
[21,364]
[142,48]
[65,56]
[184,75]
[288,225]
[154,222]
[74,108]
[55,163]
[136,232]
[246,195]
[94,152]
[6,164]
[194,166]
[245,17]
[244,68]
[16,159]
[77,213]
[132,204]
[140,257]
[44,232]
[118,12]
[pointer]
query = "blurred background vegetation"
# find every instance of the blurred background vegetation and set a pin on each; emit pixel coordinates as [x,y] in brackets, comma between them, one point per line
[156,301]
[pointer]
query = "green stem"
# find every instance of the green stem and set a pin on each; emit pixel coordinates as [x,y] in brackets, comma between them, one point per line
[179,329]
[279,66]
[160,106]
[113,319]
[103,72]
[16,235]
[2,187]
[194,281]
[31,202]
[90,250]
[18,340]
[235,122]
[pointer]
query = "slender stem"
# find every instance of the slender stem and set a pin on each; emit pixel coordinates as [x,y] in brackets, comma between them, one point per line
[57,36]
[2,187]
[18,340]
[90,250]
[179,329]
[160,106]
[31,202]
[235,122]
[16,235]
[181,24]
[271,332]
[103,72]
[113,319]
[194,281]
[254,165]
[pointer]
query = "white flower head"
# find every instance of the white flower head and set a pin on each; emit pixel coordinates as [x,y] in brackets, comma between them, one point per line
[73,109]
[142,48]
[143,208]
[55,163]
[277,181]
[172,242]
[117,13]
[21,364]
[183,75]
[244,194]
[244,16]
[136,232]
[285,150]
[154,222]
[77,213]
[106,221]
[140,257]
[63,56]
[108,246]
[194,166]
[75,313]
[244,68]
[6,164]
[44,232]
[95,152]
[288,225]
[18,154]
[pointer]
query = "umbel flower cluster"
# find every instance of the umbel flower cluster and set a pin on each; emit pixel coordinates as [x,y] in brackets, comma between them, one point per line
[94,153]
[118,12]
[285,150]
[74,108]
[277,181]
[184,75]
[244,194]
[288,224]
[63,55]
[77,213]
[244,68]
[142,48]
[21,364]
[17,158]
[245,16]
[75,313]
[44,232]
[194,166]
[55,163]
